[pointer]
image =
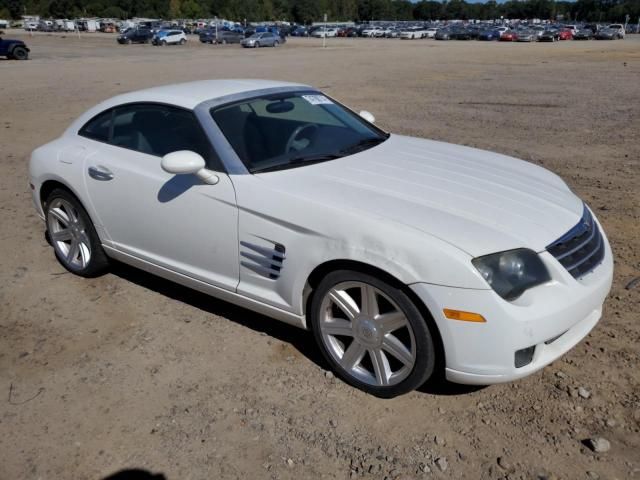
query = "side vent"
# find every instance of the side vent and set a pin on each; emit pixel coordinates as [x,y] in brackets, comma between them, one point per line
[266,261]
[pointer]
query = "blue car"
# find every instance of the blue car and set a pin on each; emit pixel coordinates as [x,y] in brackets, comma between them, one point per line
[489,35]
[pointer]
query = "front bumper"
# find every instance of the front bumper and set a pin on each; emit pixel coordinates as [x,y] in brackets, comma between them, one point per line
[551,318]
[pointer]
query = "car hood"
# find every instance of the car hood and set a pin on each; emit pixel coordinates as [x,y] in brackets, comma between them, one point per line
[481,202]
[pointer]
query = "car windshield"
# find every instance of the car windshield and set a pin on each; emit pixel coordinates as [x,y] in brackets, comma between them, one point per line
[287,130]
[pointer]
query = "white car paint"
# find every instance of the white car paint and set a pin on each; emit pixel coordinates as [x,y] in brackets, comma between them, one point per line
[321,32]
[173,37]
[419,210]
[371,32]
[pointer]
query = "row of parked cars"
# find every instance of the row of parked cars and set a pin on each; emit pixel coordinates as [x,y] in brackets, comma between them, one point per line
[525,33]
[458,31]
[165,37]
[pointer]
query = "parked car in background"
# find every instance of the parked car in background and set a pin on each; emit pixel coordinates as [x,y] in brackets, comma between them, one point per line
[411,34]
[502,30]
[509,36]
[300,32]
[549,36]
[565,34]
[325,32]
[607,34]
[619,28]
[371,31]
[430,32]
[584,34]
[14,49]
[443,34]
[221,36]
[277,198]
[135,35]
[574,29]
[228,36]
[264,39]
[489,35]
[169,37]
[526,36]
[208,35]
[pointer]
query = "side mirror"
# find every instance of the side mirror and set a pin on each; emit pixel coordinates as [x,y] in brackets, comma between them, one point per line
[187,162]
[368,116]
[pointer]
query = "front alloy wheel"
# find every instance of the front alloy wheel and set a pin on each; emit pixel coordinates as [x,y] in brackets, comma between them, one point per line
[73,236]
[372,334]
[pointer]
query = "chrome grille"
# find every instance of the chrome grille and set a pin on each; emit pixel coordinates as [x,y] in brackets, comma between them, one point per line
[581,249]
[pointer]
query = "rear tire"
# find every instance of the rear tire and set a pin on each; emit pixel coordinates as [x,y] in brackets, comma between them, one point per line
[20,53]
[73,236]
[371,333]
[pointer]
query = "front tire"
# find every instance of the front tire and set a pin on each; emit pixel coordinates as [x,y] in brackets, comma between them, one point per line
[73,236]
[20,53]
[371,334]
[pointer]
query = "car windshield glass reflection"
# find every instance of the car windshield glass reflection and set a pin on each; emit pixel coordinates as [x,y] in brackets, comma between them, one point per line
[275,132]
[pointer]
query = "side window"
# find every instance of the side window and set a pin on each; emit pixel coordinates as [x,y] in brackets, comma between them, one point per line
[161,129]
[98,128]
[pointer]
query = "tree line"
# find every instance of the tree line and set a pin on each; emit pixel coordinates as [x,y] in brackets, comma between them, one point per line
[307,11]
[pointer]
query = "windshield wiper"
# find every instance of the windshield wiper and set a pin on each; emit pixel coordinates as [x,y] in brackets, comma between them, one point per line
[298,162]
[362,145]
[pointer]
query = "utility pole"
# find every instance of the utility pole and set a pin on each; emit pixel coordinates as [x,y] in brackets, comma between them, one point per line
[324,32]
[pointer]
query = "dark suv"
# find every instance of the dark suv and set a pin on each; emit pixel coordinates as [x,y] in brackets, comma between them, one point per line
[135,35]
[223,36]
[15,49]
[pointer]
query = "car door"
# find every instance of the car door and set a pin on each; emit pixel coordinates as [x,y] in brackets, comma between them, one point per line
[174,221]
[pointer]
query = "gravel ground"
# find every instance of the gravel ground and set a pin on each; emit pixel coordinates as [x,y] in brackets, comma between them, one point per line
[130,371]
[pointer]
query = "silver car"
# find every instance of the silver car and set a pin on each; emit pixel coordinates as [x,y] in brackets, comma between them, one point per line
[264,39]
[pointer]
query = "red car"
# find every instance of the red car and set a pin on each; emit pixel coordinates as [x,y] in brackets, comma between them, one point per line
[566,34]
[509,36]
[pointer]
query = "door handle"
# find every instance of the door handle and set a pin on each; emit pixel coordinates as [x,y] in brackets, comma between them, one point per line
[100,173]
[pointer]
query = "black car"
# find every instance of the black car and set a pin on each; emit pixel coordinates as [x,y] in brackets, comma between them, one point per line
[208,35]
[135,35]
[223,37]
[461,34]
[300,32]
[549,36]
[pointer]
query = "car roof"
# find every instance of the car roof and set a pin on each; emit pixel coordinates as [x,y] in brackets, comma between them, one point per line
[186,95]
[190,94]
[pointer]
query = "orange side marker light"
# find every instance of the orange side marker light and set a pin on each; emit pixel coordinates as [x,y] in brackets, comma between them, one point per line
[463,316]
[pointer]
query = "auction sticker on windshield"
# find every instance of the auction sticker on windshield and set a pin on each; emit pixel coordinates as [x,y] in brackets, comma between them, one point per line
[317,99]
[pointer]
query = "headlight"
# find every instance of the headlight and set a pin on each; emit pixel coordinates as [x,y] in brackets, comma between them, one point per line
[512,272]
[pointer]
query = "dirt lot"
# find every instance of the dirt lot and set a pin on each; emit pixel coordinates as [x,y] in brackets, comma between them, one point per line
[129,371]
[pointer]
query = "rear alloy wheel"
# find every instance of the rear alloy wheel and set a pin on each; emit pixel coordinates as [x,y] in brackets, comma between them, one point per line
[20,53]
[276,43]
[182,41]
[72,235]
[371,333]
[163,43]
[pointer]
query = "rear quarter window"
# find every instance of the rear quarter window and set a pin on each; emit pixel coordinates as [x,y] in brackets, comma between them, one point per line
[99,127]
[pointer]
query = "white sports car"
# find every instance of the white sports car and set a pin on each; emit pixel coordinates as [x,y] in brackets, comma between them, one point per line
[404,256]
